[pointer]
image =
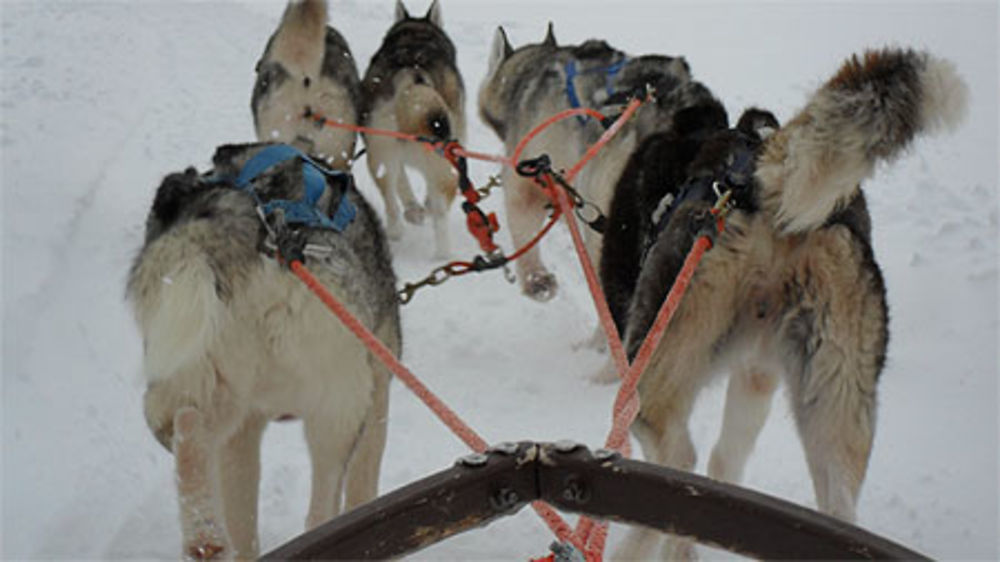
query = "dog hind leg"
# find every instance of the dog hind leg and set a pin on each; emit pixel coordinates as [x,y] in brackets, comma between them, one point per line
[835,418]
[387,174]
[202,526]
[748,402]
[330,443]
[836,343]
[669,445]
[364,467]
[442,186]
[525,204]
[240,485]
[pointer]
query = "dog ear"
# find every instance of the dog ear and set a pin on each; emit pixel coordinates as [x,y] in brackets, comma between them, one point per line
[550,36]
[499,51]
[401,13]
[758,122]
[434,14]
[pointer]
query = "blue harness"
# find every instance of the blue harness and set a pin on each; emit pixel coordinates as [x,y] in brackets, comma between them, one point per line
[303,212]
[571,73]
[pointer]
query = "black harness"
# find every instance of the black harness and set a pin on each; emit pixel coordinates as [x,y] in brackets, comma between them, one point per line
[736,177]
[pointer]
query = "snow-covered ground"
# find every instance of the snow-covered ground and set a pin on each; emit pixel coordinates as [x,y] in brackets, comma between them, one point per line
[100,100]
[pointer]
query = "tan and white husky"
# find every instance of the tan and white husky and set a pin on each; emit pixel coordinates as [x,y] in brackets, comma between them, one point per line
[232,340]
[307,68]
[413,85]
[790,291]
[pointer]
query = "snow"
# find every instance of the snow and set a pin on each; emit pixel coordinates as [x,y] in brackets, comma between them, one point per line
[100,100]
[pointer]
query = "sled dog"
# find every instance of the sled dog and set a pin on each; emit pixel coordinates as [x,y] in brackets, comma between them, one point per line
[413,85]
[791,290]
[307,69]
[232,339]
[527,85]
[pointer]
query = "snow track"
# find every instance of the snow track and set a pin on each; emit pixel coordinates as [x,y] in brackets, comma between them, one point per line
[100,100]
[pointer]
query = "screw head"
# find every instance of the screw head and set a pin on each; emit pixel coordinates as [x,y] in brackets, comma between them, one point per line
[474,460]
[566,446]
[606,454]
[505,448]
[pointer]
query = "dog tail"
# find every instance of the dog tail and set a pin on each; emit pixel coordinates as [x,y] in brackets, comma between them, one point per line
[421,111]
[300,40]
[870,111]
[174,292]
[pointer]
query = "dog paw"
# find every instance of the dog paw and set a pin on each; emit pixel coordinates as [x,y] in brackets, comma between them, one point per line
[414,214]
[207,550]
[540,286]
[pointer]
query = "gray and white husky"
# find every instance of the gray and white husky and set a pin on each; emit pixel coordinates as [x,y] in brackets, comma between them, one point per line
[791,290]
[307,68]
[413,85]
[527,85]
[232,340]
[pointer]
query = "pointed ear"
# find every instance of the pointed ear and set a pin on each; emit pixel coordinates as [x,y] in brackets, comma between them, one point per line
[401,13]
[434,14]
[499,51]
[550,36]
[758,122]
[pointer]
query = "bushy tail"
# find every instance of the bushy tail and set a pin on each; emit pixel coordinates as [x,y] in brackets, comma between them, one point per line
[870,111]
[173,293]
[421,111]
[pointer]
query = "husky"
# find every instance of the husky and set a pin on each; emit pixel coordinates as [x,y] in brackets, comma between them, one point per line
[791,289]
[413,85]
[527,85]
[307,70]
[232,340]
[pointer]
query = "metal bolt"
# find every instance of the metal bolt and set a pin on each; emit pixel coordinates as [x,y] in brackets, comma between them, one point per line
[505,448]
[575,490]
[504,500]
[605,454]
[566,446]
[474,460]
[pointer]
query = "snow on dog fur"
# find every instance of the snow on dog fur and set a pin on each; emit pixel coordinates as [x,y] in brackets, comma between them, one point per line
[234,340]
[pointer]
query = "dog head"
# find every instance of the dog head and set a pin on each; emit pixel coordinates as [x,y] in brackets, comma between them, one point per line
[508,71]
[433,14]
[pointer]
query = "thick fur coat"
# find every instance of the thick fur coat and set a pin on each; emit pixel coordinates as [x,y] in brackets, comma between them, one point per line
[413,85]
[791,290]
[232,340]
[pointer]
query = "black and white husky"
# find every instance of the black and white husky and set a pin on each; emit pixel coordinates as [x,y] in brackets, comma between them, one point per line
[413,85]
[307,69]
[791,290]
[527,85]
[232,339]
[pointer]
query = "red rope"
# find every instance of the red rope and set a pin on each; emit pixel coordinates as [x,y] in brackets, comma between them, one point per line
[630,110]
[565,114]
[379,350]
[589,538]
[468,435]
